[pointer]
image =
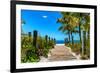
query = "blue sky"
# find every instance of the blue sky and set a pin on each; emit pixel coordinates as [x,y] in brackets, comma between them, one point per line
[45,22]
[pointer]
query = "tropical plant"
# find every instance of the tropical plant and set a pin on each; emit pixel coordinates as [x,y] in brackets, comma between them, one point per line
[69,23]
[72,22]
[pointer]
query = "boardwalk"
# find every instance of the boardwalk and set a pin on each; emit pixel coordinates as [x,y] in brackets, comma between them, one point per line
[59,53]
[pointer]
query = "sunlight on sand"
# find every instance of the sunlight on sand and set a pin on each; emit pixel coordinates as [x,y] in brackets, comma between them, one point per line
[59,44]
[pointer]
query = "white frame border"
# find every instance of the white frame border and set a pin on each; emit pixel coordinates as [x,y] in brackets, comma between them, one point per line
[20,65]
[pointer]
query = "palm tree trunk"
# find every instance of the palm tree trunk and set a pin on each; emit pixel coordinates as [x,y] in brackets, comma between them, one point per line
[72,38]
[80,33]
[80,37]
[69,36]
[84,37]
[88,34]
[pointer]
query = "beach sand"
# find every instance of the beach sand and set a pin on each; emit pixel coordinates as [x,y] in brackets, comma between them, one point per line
[59,53]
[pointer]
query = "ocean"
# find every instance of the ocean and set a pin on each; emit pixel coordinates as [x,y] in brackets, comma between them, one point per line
[62,41]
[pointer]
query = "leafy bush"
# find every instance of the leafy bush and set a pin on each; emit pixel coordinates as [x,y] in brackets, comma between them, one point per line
[26,42]
[46,50]
[84,57]
[75,47]
[88,48]
[30,52]
[31,56]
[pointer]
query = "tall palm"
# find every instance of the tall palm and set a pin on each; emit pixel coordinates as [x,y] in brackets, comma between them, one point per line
[84,25]
[87,24]
[66,28]
[69,23]
[86,29]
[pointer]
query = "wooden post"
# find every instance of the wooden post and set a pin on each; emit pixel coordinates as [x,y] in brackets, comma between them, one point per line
[41,47]
[46,39]
[35,34]
[54,41]
[29,34]
[49,40]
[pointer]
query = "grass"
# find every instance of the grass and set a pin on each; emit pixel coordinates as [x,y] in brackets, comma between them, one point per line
[76,48]
[30,53]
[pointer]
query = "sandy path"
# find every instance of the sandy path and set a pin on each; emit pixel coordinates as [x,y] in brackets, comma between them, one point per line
[59,53]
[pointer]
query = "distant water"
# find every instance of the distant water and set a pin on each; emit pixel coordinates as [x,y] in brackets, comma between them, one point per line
[62,41]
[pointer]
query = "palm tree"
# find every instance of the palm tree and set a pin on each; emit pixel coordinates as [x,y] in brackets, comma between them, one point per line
[87,24]
[65,28]
[84,25]
[71,20]
[69,23]
[86,29]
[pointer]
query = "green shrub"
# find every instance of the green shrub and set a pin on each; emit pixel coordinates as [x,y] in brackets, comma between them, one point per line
[84,57]
[75,47]
[30,56]
[31,52]
[88,48]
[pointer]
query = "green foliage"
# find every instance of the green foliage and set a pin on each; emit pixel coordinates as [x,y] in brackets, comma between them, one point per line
[25,42]
[75,47]
[34,47]
[32,56]
[84,57]
[88,48]
[70,21]
[28,51]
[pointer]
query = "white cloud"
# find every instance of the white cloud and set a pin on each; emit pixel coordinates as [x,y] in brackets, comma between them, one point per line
[44,16]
